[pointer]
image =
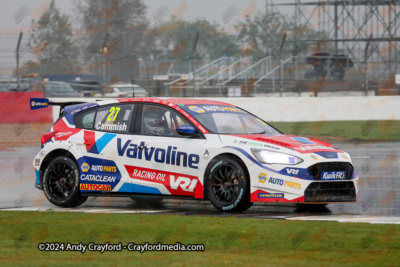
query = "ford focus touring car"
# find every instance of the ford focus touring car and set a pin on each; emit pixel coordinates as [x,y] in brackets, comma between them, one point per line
[198,149]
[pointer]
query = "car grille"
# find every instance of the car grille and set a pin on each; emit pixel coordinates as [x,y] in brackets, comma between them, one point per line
[316,169]
[330,192]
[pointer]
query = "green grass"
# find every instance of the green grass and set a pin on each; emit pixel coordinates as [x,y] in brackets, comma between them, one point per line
[228,241]
[355,130]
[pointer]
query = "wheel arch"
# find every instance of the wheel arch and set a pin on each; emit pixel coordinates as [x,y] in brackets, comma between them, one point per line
[53,154]
[217,158]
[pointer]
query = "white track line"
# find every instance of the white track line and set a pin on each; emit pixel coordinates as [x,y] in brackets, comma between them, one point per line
[351,219]
[85,210]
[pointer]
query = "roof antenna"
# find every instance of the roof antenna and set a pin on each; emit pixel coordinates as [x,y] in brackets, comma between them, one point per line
[133,87]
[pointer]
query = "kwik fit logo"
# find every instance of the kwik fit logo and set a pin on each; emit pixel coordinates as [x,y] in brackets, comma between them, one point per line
[333,175]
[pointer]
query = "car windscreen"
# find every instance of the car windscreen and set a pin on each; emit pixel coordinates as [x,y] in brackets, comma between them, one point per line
[130,89]
[220,119]
[59,87]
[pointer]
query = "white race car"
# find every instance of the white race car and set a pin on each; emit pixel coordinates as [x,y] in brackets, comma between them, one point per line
[198,149]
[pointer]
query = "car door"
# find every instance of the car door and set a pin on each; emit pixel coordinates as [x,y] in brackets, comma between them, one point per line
[105,130]
[162,161]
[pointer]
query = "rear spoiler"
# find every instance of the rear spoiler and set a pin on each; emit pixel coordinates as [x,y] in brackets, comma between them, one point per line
[36,103]
[62,105]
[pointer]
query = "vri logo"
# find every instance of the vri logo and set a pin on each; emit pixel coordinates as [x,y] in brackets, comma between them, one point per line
[333,175]
[184,183]
[292,171]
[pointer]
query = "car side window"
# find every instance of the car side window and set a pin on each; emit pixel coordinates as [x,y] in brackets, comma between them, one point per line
[116,118]
[85,120]
[161,121]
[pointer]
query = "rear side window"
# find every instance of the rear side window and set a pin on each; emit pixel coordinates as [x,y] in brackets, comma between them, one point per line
[85,120]
[116,119]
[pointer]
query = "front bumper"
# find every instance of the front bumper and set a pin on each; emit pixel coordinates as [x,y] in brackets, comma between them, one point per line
[306,186]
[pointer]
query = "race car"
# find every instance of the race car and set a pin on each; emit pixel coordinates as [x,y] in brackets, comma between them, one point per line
[191,148]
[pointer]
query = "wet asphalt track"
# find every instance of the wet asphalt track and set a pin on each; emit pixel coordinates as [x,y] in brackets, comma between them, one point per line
[379,195]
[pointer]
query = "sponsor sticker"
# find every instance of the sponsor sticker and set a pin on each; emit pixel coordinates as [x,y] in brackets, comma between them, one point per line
[176,183]
[121,127]
[95,187]
[196,109]
[270,195]
[36,103]
[313,157]
[284,183]
[98,178]
[262,121]
[303,140]
[85,167]
[37,162]
[333,175]
[101,168]
[262,178]
[169,156]
[292,171]
[61,134]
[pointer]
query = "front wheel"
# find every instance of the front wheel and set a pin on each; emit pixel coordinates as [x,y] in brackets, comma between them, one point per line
[228,186]
[61,183]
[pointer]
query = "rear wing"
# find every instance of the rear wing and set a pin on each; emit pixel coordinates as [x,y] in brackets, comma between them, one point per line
[36,103]
[62,105]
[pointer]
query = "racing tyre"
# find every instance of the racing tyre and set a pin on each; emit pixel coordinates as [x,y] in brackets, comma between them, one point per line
[228,186]
[61,183]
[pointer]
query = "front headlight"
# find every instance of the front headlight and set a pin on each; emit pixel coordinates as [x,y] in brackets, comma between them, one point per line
[270,157]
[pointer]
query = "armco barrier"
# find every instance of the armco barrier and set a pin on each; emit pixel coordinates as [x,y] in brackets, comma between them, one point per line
[15,108]
[310,108]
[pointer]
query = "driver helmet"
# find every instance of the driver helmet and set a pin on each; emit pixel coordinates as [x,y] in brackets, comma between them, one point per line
[153,122]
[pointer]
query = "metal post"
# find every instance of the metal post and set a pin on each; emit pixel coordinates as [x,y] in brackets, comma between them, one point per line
[280,63]
[17,58]
[194,62]
[273,82]
[104,51]
[366,64]
[336,27]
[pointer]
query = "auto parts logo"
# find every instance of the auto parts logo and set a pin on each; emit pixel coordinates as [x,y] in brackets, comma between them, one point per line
[313,157]
[196,109]
[262,178]
[85,167]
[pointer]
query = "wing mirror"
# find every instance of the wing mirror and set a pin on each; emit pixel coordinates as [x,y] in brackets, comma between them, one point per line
[187,131]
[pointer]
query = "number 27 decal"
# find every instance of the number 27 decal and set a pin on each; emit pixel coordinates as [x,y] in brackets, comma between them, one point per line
[112,110]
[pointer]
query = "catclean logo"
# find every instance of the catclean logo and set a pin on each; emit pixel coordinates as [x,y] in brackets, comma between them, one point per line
[85,167]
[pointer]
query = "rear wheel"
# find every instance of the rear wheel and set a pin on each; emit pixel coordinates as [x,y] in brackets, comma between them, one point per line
[61,183]
[228,186]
